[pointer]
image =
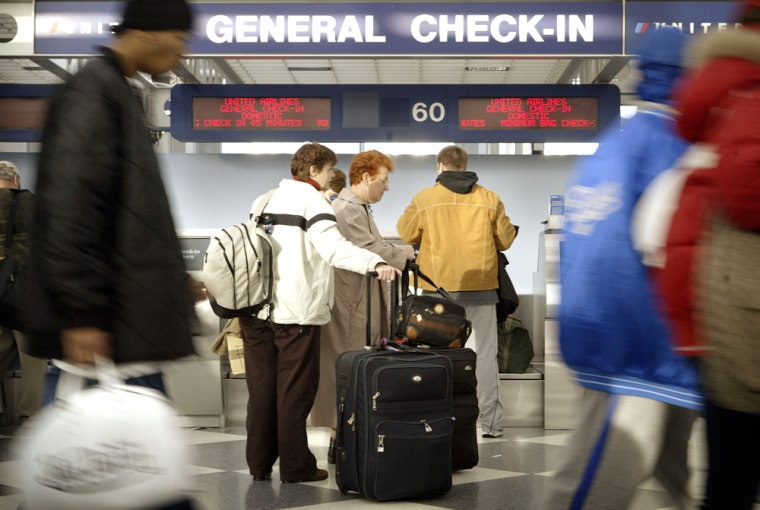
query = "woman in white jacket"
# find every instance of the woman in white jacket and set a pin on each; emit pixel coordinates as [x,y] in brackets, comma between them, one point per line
[281,345]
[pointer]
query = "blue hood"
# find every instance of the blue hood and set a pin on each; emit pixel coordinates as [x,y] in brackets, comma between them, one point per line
[661,55]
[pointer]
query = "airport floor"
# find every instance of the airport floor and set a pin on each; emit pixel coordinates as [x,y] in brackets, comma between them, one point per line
[512,473]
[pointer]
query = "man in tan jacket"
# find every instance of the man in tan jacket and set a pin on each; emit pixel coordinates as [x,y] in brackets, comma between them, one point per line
[460,226]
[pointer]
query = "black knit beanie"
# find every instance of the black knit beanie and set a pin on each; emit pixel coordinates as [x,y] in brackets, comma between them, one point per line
[156,15]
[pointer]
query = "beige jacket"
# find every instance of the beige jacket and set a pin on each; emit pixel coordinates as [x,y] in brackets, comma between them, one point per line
[346,330]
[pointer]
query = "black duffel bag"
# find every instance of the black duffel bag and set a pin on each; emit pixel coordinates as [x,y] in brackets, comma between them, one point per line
[508,299]
[432,320]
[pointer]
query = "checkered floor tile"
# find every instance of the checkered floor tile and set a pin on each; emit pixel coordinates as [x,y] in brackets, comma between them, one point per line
[512,473]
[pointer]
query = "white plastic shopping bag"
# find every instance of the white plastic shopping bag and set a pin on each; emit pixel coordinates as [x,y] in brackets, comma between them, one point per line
[108,447]
[653,213]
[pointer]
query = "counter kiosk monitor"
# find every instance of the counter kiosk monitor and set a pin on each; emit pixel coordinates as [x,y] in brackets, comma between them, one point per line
[193,245]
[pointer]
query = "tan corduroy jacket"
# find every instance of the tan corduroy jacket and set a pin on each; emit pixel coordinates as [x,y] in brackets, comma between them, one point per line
[459,235]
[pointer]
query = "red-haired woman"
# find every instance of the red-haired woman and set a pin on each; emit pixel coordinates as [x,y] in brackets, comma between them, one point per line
[346,330]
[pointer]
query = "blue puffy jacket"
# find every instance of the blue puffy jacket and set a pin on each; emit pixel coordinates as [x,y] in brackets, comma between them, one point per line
[611,330]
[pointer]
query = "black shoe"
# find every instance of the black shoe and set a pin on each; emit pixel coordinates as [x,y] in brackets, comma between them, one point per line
[319,475]
[331,451]
[263,478]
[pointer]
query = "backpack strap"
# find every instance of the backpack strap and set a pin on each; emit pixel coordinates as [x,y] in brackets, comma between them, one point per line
[256,214]
[292,220]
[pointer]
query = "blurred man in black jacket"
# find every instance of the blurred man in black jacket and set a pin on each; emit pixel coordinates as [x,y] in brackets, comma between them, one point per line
[104,246]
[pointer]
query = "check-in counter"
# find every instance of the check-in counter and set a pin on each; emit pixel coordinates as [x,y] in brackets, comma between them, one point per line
[562,394]
[522,398]
[194,383]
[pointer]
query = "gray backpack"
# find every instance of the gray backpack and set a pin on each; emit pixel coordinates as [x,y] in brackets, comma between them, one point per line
[237,268]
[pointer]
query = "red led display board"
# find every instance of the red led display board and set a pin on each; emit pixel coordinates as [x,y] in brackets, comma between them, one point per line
[343,113]
[23,112]
[542,113]
[261,113]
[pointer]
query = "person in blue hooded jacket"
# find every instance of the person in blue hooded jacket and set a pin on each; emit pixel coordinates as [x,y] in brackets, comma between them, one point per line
[640,400]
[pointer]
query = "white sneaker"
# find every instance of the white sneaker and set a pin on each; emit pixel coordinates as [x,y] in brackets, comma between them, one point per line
[493,434]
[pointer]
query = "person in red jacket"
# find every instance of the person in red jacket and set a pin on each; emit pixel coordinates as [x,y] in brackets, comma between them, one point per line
[711,278]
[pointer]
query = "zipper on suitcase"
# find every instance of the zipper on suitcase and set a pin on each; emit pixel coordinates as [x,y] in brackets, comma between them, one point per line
[381,437]
[393,470]
[405,407]
[379,372]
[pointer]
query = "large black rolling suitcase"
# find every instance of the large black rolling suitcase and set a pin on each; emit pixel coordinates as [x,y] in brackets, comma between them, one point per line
[464,443]
[464,403]
[395,424]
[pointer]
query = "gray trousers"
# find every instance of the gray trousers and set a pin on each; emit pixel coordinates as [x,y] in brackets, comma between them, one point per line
[619,442]
[484,340]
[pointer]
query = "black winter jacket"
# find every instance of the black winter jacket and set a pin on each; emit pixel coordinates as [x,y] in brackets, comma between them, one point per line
[104,245]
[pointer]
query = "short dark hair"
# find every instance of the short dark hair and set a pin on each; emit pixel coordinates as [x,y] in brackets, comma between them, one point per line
[338,181]
[453,157]
[311,154]
[370,162]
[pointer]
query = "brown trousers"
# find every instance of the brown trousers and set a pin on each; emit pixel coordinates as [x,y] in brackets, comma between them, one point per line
[282,374]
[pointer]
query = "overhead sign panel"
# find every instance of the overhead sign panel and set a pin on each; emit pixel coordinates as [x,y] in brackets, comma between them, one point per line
[692,18]
[261,113]
[330,113]
[532,112]
[471,28]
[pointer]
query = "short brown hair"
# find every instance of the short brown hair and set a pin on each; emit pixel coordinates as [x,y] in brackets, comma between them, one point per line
[453,157]
[308,155]
[370,162]
[338,181]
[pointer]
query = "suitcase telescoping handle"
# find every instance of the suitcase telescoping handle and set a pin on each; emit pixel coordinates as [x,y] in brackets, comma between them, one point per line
[370,276]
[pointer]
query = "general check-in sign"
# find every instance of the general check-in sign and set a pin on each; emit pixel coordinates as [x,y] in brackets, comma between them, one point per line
[360,29]
[384,29]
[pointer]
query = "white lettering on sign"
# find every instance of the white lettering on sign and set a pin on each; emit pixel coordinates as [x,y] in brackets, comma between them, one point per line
[421,112]
[298,29]
[223,29]
[477,28]
[324,26]
[502,28]
[697,28]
